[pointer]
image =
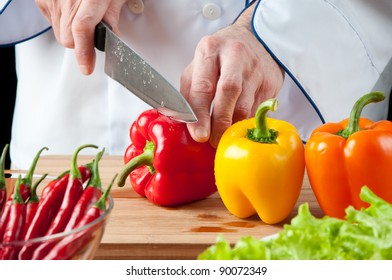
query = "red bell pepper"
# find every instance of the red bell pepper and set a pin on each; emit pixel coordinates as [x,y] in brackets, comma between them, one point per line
[165,164]
[15,224]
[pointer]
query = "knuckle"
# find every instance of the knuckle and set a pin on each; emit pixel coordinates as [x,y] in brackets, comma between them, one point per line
[241,112]
[230,84]
[208,44]
[203,86]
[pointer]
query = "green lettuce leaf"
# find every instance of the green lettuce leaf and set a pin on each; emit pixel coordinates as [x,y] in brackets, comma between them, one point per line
[364,234]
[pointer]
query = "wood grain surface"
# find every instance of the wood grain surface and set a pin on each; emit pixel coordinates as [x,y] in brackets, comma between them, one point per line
[137,229]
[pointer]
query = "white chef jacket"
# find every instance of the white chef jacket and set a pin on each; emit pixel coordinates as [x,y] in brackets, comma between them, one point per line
[58,107]
[332,51]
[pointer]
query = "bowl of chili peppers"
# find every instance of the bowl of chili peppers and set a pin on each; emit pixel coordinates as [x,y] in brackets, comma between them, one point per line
[63,219]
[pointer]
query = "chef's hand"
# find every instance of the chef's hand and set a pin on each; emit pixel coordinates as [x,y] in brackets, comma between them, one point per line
[74,21]
[232,70]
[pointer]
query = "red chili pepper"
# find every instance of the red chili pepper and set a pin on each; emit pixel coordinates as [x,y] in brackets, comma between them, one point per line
[71,244]
[85,171]
[15,225]
[72,194]
[48,206]
[90,195]
[3,187]
[180,170]
[25,187]
[32,204]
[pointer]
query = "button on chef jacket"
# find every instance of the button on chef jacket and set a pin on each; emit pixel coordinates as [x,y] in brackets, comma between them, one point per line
[331,56]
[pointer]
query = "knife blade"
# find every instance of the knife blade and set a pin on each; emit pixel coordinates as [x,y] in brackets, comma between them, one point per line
[128,68]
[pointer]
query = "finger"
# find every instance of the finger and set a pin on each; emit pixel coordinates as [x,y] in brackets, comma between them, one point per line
[68,10]
[51,11]
[186,81]
[89,14]
[112,15]
[203,87]
[228,91]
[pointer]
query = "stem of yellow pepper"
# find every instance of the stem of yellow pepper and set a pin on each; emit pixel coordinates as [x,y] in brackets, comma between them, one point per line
[353,123]
[146,158]
[261,133]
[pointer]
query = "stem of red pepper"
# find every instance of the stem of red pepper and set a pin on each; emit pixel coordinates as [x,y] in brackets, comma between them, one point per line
[353,123]
[74,171]
[146,158]
[28,179]
[261,133]
[3,187]
[101,203]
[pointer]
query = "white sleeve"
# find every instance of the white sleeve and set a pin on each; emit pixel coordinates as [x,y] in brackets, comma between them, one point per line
[20,20]
[334,51]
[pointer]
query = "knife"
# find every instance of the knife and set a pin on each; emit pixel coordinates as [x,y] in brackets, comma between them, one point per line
[125,66]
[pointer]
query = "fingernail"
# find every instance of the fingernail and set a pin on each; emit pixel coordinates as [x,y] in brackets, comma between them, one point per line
[201,133]
[85,69]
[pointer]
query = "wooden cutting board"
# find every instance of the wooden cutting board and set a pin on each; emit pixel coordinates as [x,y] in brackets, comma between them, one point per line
[137,229]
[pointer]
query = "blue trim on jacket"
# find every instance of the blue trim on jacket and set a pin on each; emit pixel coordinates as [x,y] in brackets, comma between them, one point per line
[5,6]
[285,68]
[25,39]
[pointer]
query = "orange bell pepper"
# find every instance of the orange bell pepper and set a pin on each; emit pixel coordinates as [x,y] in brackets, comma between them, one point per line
[343,157]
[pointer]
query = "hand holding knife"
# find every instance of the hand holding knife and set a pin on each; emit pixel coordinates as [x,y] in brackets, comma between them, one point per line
[125,66]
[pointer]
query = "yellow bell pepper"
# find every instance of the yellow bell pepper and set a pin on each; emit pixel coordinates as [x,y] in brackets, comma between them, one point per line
[259,166]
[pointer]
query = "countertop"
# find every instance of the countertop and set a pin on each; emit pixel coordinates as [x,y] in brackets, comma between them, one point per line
[137,229]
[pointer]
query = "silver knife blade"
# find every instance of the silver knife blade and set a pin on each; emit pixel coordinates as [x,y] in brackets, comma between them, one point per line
[128,68]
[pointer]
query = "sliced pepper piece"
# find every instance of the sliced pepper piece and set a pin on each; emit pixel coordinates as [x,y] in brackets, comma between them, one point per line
[165,164]
[342,157]
[259,166]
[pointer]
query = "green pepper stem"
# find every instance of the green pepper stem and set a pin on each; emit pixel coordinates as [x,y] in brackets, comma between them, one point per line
[146,158]
[28,179]
[2,167]
[261,133]
[17,197]
[101,203]
[353,123]
[33,192]
[75,172]
[96,179]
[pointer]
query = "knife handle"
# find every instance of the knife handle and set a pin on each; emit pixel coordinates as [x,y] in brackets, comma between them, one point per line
[100,36]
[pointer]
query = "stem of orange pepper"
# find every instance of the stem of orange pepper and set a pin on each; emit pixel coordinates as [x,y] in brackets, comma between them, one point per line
[353,123]
[261,133]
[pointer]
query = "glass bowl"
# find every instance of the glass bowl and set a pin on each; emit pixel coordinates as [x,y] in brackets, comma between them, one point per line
[84,240]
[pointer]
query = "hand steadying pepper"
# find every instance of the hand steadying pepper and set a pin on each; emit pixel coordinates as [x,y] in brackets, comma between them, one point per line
[343,157]
[259,166]
[165,164]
